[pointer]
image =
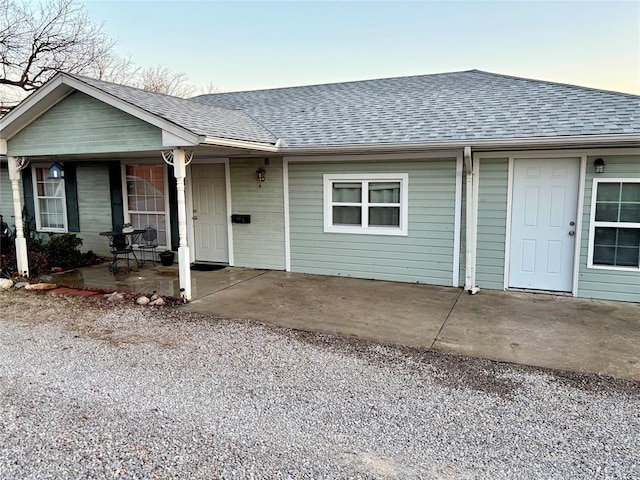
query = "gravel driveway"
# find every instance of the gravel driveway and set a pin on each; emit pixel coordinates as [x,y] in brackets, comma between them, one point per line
[95,391]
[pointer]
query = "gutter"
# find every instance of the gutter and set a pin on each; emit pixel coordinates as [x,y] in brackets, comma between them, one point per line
[580,141]
[244,144]
[472,222]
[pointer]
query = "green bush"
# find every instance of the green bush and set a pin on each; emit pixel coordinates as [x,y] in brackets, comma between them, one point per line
[63,251]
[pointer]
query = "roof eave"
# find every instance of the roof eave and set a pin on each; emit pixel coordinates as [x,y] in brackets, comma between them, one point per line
[630,139]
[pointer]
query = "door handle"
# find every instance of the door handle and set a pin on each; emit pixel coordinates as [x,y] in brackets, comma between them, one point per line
[195,217]
[572,233]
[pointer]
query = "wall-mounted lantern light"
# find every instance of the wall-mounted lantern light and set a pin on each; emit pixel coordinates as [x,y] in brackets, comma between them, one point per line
[598,164]
[56,171]
[260,174]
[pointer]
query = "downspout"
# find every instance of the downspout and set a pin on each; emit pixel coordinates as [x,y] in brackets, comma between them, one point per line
[471,224]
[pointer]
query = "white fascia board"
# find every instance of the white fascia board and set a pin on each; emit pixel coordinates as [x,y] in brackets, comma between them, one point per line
[243,144]
[171,140]
[133,110]
[531,142]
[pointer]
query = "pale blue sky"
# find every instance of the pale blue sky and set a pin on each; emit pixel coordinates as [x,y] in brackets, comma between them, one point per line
[251,45]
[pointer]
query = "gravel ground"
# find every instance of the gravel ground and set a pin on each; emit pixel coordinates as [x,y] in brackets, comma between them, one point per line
[90,390]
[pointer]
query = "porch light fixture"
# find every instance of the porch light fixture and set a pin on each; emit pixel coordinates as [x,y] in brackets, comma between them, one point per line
[56,171]
[598,164]
[260,174]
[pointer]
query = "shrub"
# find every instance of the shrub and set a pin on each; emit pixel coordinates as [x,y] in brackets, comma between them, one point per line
[63,251]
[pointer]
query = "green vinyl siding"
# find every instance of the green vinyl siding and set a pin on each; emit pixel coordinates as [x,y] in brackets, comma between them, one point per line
[492,222]
[6,195]
[94,210]
[425,255]
[604,283]
[259,244]
[81,124]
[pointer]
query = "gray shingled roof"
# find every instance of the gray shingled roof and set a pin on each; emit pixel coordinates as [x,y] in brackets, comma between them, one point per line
[201,119]
[456,106]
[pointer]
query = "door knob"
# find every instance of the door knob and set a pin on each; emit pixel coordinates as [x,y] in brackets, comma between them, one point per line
[572,233]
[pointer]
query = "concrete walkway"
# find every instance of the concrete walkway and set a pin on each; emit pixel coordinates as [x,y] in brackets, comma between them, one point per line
[534,329]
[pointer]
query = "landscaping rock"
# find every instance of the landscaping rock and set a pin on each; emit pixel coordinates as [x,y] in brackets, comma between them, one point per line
[5,283]
[157,302]
[113,297]
[143,300]
[21,284]
[40,286]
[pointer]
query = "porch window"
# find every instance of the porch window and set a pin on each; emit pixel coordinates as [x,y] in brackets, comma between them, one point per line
[146,198]
[615,224]
[375,203]
[50,204]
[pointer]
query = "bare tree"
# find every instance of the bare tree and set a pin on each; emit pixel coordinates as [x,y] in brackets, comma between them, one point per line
[38,40]
[113,68]
[209,88]
[160,79]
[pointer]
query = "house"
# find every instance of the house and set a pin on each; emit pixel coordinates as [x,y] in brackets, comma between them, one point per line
[467,179]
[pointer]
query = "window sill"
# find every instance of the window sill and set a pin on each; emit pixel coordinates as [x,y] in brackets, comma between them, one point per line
[614,268]
[397,232]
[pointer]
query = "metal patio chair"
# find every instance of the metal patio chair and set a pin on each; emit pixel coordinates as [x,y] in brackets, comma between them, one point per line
[121,249]
[149,243]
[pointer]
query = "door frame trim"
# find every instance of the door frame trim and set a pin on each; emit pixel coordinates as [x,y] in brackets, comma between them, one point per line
[190,225]
[582,156]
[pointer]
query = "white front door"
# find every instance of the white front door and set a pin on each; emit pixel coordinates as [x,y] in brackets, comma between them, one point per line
[210,212]
[543,223]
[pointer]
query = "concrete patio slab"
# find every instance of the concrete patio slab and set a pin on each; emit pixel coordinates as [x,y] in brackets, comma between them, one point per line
[155,278]
[534,329]
[390,312]
[547,331]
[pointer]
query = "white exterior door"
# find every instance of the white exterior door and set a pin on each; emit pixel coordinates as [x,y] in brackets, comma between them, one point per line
[543,223]
[210,213]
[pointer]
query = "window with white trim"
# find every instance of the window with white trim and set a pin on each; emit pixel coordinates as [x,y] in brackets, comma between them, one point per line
[374,203]
[50,202]
[615,224]
[146,199]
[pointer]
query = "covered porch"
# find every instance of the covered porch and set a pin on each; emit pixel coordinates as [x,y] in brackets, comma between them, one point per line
[87,157]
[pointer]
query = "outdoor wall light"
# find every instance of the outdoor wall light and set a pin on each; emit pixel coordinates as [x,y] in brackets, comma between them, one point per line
[598,164]
[260,174]
[56,171]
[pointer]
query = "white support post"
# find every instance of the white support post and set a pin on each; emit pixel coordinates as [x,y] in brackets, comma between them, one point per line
[177,159]
[471,221]
[16,165]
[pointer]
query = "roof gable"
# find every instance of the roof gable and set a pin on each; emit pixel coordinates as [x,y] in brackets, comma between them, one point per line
[183,122]
[80,124]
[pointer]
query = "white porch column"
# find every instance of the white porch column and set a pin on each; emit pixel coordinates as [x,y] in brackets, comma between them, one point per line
[176,158]
[16,165]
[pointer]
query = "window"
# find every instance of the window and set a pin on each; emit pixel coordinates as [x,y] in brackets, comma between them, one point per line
[50,204]
[615,224]
[374,203]
[146,199]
